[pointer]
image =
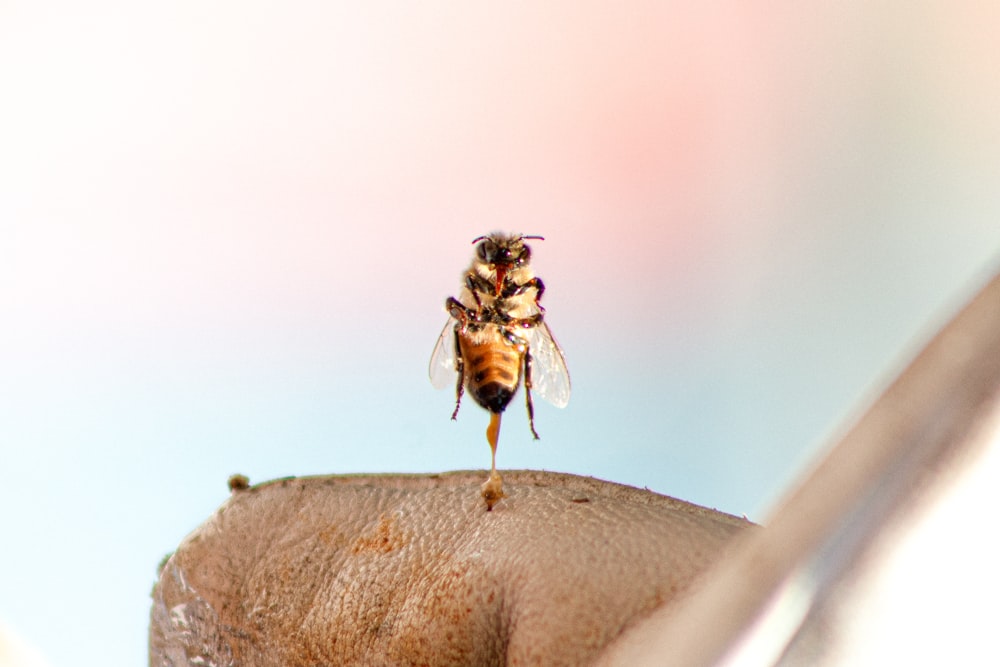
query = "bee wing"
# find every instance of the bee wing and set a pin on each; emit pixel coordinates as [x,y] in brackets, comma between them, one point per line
[549,375]
[442,368]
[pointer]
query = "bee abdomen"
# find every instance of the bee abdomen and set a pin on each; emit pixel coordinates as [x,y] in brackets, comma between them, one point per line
[492,374]
[494,396]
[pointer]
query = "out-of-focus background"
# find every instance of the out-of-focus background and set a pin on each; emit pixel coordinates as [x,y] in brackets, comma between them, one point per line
[227,230]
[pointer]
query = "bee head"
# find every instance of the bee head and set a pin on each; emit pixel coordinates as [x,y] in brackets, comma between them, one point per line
[504,251]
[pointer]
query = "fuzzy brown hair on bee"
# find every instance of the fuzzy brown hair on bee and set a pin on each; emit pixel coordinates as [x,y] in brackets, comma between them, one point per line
[496,338]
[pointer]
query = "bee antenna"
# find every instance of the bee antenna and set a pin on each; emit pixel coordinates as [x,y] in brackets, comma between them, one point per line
[522,237]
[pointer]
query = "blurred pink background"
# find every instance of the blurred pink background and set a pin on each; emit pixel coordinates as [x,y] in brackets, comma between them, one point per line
[228,230]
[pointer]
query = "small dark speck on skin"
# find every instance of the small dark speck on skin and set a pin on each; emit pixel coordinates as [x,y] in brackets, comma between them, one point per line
[581,500]
[238,482]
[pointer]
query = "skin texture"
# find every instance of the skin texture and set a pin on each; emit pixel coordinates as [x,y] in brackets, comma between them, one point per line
[411,570]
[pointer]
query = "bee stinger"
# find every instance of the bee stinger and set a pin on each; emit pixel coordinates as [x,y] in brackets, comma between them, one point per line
[495,336]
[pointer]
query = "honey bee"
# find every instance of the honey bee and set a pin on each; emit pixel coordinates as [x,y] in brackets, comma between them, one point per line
[496,336]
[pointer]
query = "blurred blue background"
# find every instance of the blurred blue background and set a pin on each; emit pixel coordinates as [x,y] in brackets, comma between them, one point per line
[227,231]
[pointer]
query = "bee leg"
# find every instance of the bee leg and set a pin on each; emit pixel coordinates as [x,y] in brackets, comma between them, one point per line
[528,322]
[462,314]
[458,311]
[539,286]
[460,368]
[475,285]
[536,282]
[527,392]
[492,488]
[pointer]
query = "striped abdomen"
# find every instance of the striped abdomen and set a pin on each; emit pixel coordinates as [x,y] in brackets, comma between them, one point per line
[492,368]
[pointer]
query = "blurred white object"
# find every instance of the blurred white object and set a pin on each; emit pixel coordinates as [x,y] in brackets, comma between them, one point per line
[14,652]
[930,595]
[887,553]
